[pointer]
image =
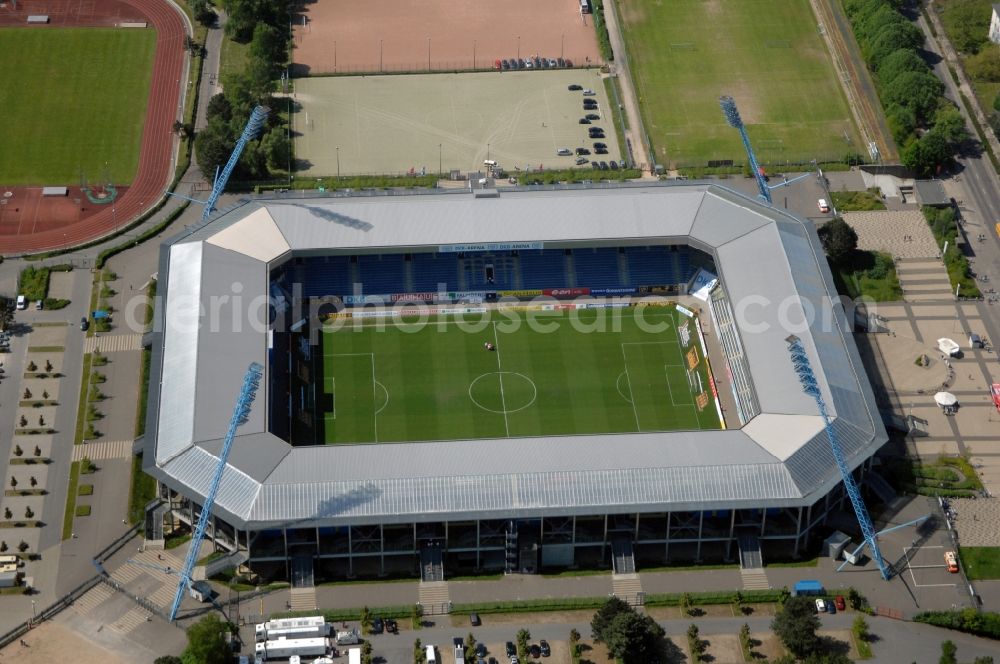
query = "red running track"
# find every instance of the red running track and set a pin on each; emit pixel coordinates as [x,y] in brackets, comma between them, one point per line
[154,173]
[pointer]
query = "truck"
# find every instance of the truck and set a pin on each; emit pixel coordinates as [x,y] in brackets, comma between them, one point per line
[354,656]
[308,627]
[285,648]
[348,637]
[459,653]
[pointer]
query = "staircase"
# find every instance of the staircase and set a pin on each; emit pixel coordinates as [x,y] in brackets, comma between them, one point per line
[303,599]
[511,551]
[752,564]
[303,591]
[431,564]
[623,274]
[434,598]
[622,557]
[880,487]
[570,270]
[628,588]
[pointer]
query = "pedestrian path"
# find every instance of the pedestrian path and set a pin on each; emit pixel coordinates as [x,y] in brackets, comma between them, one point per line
[113,343]
[627,587]
[132,619]
[111,449]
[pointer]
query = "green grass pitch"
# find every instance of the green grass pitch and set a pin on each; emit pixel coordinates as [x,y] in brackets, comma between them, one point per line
[584,372]
[72,100]
[770,57]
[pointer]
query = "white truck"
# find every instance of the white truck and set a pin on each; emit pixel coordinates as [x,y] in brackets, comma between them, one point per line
[285,648]
[354,656]
[308,627]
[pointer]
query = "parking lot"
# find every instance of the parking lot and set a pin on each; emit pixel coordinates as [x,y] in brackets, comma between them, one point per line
[439,122]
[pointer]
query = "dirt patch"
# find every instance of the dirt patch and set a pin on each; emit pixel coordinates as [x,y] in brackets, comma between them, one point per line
[839,640]
[526,619]
[436,35]
[594,653]
[52,642]
[631,11]
[723,648]
[767,645]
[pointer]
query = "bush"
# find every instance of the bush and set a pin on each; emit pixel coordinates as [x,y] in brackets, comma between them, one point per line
[971,621]
[601,27]
[83,510]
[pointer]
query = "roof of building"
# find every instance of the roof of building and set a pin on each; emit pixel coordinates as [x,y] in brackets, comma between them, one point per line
[931,192]
[769,262]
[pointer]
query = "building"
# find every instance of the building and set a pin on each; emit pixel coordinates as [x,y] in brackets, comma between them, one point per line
[513,504]
[995,25]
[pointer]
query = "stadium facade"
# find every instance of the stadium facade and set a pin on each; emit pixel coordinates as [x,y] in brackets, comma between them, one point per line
[225,300]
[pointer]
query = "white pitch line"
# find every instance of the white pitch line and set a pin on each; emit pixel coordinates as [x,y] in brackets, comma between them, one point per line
[374,397]
[503,400]
[333,389]
[628,379]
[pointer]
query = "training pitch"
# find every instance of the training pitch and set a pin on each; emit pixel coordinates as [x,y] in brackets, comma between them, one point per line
[550,373]
[390,124]
[74,102]
[772,59]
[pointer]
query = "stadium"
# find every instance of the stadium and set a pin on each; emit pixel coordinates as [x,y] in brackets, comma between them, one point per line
[512,381]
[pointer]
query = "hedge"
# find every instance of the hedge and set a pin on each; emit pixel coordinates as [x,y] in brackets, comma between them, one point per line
[343,615]
[971,621]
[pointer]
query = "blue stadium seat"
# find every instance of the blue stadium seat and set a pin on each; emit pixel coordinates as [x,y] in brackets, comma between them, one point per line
[596,268]
[381,274]
[431,270]
[543,269]
[321,276]
[652,267]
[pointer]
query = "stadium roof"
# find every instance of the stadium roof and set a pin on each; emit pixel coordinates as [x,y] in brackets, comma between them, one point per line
[769,262]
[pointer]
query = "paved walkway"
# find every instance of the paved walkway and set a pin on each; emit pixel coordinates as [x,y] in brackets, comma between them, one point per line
[634,134]
[899,233]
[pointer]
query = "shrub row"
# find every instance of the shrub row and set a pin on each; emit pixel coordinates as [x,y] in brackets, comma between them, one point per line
[967,620]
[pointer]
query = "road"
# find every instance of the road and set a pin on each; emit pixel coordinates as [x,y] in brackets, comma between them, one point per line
[635,132]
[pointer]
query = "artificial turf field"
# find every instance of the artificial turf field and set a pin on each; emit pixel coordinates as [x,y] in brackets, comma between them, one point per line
[390,382]
[770,57]
[73,99]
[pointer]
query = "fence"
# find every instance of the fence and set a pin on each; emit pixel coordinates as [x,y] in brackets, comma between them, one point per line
[49,611]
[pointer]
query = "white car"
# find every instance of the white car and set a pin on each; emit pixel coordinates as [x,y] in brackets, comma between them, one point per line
[820,606]
[822,205]
[588,93]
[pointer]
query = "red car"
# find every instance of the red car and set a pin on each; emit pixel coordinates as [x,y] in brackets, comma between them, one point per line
[839,602]
[496,64]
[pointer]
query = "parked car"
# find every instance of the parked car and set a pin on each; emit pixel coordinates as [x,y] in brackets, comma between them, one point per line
[613,164]
[480,649]
[474,620]
[601,146]
[839,601]
[496,64]
[378,626]
[574,87]
[604,165]
[84,324]
[600,150]
[592,116]
[528,64]
[582,151]
[511,650]
[562,63]
[505,64]
[553,63]
[580,161]
[567,62]
[830,607]
[951,561]
[534,650]
[589,104]
[823,206]
[564,152]
[391,626]
[543,645]
[820,606]
[584,121]
[588,93]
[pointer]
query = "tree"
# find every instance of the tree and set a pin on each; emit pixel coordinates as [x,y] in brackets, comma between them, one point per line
[948,651]
[27,393]
[276,148]
[17,450]
[838,239]
[212,147]
[167,659]
[28,513]
[6,312]
[3,545]
[919,91]
[892,38]
[924,155]
[219,107]
[203,12]
[33,481]
[605,615]
[22,546]
[269,47]
[948,122]
[796,626]
[419,656]
[633,637]
[38,451]
[207,643]
[900,61]
[985,65]
[7,514]
[13,482]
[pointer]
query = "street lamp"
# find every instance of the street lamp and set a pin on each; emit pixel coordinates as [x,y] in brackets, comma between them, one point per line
[338,161]
[428,54]
[440,170]
[562,45]
[380,55]
[473,53]
[519,47]
[32,611]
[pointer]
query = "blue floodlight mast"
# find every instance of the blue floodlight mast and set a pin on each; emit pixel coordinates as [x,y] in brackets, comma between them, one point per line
[732,114]
[253,127]
[803,368]
[247,393]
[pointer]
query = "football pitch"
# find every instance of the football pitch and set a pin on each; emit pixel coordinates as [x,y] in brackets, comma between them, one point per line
[770,58]
[549,373]
[74,101]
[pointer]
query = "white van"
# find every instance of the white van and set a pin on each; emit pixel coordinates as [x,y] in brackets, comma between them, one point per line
[22,302]
[822,205]
[431,655]
[489,162]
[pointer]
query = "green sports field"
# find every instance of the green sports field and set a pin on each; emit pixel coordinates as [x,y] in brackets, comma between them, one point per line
[551,373]
[72,100]
[769,56]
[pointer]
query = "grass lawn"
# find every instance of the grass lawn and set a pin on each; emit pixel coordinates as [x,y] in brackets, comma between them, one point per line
[860,278]
[105,73]
[981,562]
[436,381]
[684,54]
[74,479]
[860,201]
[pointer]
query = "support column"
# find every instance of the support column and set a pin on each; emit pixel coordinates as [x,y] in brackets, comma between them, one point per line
[666,546]
[732,534]
[288,563]
[798,534]
[381,550]
[350,552]
[635,537]
[604,539]
[763,520]
[479,544]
